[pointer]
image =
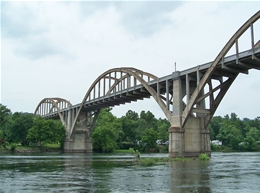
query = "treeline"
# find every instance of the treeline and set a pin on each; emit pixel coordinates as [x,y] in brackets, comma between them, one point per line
[139,131]
[25,129]
[234,133]
[111,132]
[132,130]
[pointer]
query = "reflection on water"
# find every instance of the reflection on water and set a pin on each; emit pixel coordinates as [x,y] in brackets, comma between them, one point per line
[192,176]
[225,172]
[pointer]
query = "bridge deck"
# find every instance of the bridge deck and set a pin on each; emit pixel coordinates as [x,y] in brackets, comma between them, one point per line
[238,63]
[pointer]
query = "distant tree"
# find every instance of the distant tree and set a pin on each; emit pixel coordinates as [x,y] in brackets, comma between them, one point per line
[146,121]
[18,129]
[141,127]
[129,126]
[149,118]
[252,136]
[46,131]
[104,139]
[230,135]
[214,126]
[149,138]
[132,115]
[107,132]
[5,114]
[162,128]
[254,123]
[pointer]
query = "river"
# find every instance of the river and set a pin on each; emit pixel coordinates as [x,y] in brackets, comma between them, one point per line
[223,173]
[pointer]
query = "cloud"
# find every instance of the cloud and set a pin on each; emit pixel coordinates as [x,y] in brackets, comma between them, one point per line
[19,25]
[143,19]
[58,49]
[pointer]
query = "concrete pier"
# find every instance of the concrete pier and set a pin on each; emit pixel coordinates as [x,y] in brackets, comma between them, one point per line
[79,143]
[190,141]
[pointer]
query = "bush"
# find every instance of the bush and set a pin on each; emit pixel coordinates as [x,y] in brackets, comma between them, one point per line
[216,147]
[147,161]
[204,156]
[135,153]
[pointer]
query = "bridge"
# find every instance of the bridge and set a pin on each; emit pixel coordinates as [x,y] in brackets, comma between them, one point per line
[188,98]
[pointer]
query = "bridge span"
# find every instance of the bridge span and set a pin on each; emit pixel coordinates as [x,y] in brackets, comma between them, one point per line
[188,98]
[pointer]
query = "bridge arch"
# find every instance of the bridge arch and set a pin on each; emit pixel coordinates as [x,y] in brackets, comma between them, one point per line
[53,106]
[196,95]
[115,81]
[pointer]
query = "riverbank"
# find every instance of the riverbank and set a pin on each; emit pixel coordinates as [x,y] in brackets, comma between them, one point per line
[31,149]
[56,148]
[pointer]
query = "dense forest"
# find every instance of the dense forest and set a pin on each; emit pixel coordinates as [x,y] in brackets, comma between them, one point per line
[140,131]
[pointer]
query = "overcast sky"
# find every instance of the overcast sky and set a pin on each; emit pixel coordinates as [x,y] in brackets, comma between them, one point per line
[59,48]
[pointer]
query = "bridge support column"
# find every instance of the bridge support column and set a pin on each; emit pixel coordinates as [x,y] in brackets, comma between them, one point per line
[79,143]
[190,141]
[176,142]
[80,140]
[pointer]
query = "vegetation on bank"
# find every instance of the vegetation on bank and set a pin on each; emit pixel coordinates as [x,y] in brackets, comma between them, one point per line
[137,131]
[235,134]
[20,130]
[18,148]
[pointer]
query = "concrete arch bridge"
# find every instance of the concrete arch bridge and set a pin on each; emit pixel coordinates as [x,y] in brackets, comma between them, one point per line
[188,98]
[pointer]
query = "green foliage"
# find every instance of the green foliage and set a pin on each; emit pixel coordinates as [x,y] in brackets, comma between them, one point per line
[151,161]
[162,126]
[234,133]
[3,143]
[147,162]
[203,156]
[250,142]
[129,126]
[13,147]
[107,132]
[2,135]
[18,129]
[135,153]
[4,113]
[46,131]
[230,135]
[104,139]
[149,138]
[111,132]
[216,147]
[215,126]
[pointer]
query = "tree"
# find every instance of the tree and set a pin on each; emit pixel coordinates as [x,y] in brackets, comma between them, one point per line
[107,132]
[146,121]
[4,117]
[214,126]
[149,118]
[46,131]
[252,136]
[4,113]
[162,127]
[104,139]
[230,135]
[129,126]
[149,138]
[18,129]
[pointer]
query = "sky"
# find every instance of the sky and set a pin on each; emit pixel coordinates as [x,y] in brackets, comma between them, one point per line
[59,48]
